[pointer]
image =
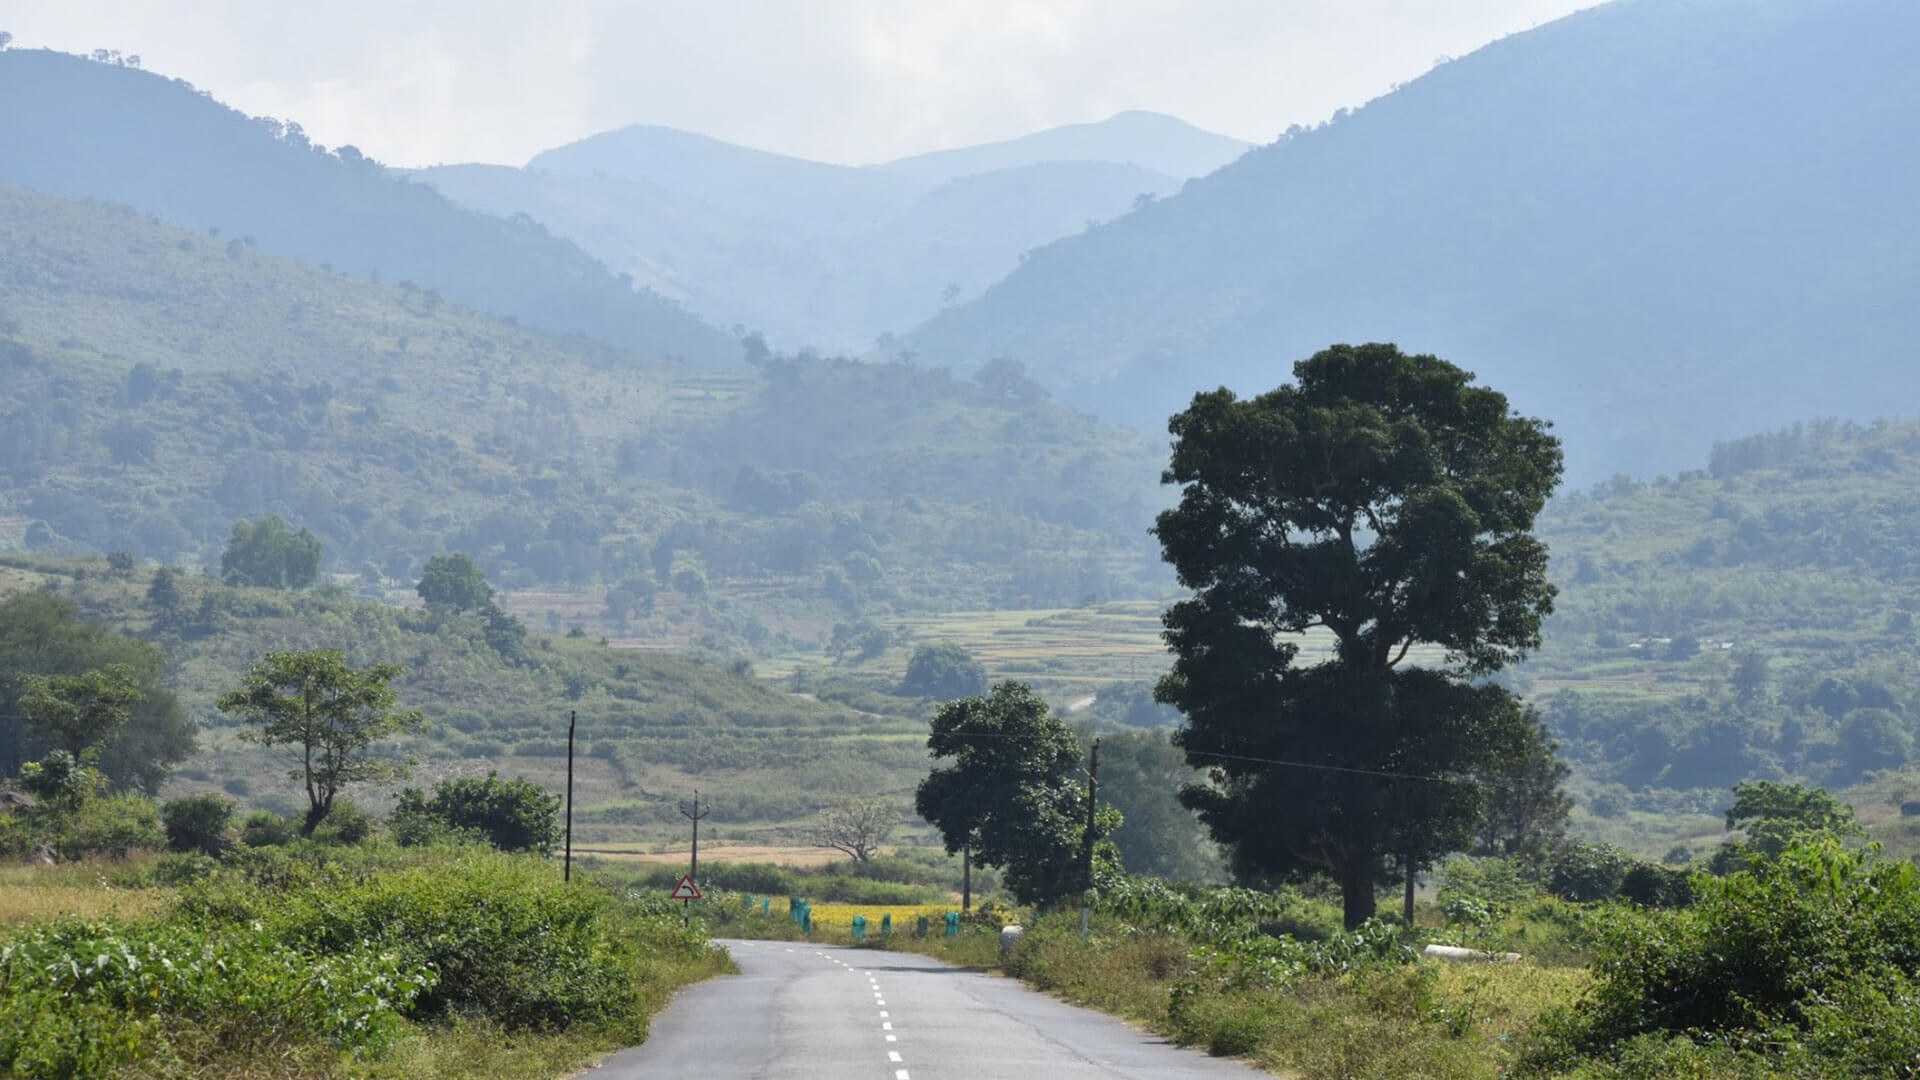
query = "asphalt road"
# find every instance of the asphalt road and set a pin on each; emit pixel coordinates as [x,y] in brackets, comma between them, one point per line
[819,1012]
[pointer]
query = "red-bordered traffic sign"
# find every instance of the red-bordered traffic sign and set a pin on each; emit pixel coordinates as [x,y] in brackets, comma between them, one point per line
[686,890]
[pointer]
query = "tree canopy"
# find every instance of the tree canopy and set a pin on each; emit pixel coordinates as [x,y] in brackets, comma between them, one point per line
[329,712]
[1386,502]
[512,815]
[454,583]
[268,553]
[43,637]
[943,672]
[1010,793]
[79,713]
[857,826]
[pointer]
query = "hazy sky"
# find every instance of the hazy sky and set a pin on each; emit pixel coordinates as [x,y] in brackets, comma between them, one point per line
[416,82]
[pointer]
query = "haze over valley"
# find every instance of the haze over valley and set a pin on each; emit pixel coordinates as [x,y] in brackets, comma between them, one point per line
[1497,498]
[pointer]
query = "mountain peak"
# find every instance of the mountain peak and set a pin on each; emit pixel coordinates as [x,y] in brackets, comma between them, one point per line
[1150,140]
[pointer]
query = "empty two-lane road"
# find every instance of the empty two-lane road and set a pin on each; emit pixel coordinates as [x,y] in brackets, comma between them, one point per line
[816,1012]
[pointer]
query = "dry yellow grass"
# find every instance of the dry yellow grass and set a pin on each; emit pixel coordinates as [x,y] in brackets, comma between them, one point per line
[31,894]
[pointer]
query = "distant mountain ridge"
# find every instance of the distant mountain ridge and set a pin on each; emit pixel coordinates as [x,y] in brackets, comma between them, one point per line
[832,256]
[1149,140]
[82,129]
[1655,222]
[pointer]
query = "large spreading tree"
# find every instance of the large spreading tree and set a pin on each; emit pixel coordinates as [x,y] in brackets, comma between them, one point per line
[329,712]
[1381,502]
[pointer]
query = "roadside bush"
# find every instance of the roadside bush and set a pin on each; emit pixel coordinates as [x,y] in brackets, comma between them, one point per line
[197,823]
[512,815]
[112,825]
[86,999]
[507,939]
[1819,948]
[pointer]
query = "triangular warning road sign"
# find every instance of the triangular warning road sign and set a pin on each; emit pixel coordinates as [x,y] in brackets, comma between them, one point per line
[686,890]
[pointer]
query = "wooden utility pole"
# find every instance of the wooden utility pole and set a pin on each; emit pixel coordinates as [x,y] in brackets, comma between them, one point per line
[695,815]
[966,877]
[566,874]
[1086,840]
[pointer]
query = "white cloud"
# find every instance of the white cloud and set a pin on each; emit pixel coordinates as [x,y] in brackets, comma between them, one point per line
[840,80]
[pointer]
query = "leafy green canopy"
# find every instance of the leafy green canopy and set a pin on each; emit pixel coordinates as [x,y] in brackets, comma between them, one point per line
[267,553]
[1387,501]
[1009,794]
[454,583]
[943,672]
[81,712]
[45,643]
[329,712]
[512,815]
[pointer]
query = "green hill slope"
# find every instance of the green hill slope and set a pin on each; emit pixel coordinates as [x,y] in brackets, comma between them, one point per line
[83,129]
[652,725]
[156,385]
[1753,619]
[1652,222]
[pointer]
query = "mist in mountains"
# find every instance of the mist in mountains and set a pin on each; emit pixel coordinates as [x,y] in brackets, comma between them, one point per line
[1656,222]
[829,256]
[84,129]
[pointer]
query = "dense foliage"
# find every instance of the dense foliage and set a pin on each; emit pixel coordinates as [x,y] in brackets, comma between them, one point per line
[1812,959]
[1006,791]
[322,959]
[45,637]
[1387,501]
[511,815]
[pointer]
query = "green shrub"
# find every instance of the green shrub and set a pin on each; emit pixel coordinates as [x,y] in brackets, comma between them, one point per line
[1822,944]
[264,828]
[197,823]
[512,815]
[85,998]
[112,825]
[345,823]
[506,937]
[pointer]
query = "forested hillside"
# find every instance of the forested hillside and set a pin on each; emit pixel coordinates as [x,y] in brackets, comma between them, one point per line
[649,722]
[1655,222]
[160,384]
[86,129]
[1752,619]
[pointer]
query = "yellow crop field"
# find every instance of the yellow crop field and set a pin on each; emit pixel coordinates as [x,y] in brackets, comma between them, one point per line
[840,916]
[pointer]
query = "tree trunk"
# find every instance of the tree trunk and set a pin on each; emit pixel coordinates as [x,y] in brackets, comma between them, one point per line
[1356,885]
[1407,913]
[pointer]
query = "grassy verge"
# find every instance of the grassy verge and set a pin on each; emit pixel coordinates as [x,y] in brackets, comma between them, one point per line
[320,964]
[1373,1012]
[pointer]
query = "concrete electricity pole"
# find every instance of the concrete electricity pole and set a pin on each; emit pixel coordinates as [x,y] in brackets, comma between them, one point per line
[695,815]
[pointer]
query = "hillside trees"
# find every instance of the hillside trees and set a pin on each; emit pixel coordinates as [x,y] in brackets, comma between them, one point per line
[1009,795]
[943,672]
[80,712]
[96,690]
[1385,500]
[856,826]
[267,553]
[454,583]
[329,712]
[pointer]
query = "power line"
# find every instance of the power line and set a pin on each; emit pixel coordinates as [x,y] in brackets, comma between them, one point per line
[1390,775]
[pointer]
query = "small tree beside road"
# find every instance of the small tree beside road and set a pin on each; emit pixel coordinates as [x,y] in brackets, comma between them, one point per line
[856,826]
[329,712]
